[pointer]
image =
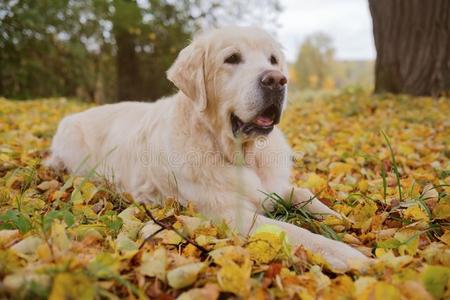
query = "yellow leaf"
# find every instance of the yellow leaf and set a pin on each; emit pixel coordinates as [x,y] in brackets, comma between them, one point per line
[4,157]
[386,291]
[72,286]
[415,212]
[362,214]
[441,211]
[446,237]
[363,186]
[223,255]
[394,262]
[339,168]
[315,182]
[76,197]
[43,251]
[380,252]
[234,278]
[9,261]
[333,220]
[405,149]
[316,258]
[409,239]
[88,190]
[58,235]
[268,243]
[104,265]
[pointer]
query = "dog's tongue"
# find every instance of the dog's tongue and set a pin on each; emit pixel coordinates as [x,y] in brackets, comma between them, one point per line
[263,121]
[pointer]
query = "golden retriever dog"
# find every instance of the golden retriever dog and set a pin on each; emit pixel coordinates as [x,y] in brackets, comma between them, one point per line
[215,143]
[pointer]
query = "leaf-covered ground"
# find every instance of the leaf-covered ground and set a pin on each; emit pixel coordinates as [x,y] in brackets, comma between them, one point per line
[381,161]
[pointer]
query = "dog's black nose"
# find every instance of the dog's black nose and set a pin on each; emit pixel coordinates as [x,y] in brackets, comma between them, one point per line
[274,80]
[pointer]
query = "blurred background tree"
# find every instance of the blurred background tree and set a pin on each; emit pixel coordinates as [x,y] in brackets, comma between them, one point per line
[105,50]
[317,68]
[314,61]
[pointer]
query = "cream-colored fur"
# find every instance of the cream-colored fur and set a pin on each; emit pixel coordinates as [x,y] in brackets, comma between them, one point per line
[183,145]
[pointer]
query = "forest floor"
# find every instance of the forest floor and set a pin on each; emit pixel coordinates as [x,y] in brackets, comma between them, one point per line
[382,161]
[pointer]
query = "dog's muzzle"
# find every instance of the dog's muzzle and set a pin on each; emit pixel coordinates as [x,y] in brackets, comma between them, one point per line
[273,87]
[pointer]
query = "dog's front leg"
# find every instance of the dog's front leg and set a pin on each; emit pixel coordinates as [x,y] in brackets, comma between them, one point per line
[340,256]
[241,209]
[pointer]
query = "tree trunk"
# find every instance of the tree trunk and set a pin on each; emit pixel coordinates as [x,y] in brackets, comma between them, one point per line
[412,38]
[128,75]
[129,80]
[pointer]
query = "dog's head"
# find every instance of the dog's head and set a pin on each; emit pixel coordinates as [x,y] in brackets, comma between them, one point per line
[236,77]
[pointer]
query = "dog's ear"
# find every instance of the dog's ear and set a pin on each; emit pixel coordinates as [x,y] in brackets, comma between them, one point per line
[188,74]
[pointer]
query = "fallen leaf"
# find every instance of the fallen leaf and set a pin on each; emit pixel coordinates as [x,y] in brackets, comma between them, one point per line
[154,264]
[72,286]
[27,245]
[185,275]
[269,242]
[436,279]
[208,292]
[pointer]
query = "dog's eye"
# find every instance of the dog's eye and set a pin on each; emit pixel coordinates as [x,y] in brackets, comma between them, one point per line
[273,60]
[233,59]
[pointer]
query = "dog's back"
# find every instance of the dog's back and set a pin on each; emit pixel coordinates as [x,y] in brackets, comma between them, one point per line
[83,139]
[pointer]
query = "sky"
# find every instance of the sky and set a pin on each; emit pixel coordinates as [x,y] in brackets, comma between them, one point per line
[347,22]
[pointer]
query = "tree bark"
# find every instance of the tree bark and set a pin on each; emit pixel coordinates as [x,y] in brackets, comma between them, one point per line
[412,39]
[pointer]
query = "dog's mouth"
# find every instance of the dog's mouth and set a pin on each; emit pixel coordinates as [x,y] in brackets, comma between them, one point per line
[262,124]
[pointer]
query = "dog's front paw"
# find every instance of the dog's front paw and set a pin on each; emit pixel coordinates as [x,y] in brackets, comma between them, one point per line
[342,257]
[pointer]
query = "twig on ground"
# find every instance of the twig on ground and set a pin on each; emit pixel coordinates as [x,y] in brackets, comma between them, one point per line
[163,225]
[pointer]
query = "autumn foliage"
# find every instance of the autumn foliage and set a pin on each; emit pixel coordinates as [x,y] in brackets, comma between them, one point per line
[382,161]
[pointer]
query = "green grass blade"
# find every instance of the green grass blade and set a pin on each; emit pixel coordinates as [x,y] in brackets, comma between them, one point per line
[394,164]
